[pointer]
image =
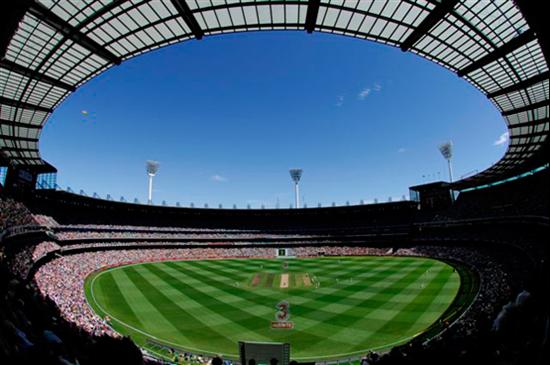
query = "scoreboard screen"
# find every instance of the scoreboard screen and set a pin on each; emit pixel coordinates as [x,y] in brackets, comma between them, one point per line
[263,352]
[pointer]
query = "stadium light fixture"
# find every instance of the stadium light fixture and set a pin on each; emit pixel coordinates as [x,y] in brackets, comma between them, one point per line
[296,175]
[152,168]
[446,150]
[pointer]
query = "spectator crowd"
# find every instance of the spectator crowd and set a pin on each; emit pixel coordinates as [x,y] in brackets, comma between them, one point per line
[13,214]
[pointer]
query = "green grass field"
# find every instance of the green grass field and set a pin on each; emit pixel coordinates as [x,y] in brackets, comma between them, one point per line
[339,306]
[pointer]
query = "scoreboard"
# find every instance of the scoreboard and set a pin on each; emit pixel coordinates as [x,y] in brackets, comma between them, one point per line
[264,352]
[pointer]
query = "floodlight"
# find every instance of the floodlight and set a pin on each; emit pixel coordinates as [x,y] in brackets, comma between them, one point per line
[296,175]
[152,168]
[446,150]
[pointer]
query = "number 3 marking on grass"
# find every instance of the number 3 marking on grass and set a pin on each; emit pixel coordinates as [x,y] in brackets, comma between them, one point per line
[283,311]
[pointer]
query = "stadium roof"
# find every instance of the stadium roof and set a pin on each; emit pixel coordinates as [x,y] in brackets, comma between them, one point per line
[49,48]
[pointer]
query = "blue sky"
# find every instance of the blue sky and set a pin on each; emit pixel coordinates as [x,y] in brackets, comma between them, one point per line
[227,117]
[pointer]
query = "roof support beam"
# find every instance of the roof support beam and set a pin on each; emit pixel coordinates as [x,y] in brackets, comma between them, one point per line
[12,66]
[526,108]
[524,153]
[17,139]
[21,104]
[99,13]
[187,15]
[529,135]
[439,12]
[526,144]
[18,124]
[531,123]
[517,42]
[19,149]
[521,153]
[520,85]
[26,159]
[515,159]
[57,23]
[311,15]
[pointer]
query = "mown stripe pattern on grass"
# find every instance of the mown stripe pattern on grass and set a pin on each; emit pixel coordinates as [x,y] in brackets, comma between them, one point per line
[209,305]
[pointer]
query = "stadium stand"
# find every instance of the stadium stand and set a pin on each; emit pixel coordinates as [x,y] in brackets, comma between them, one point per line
[505,323]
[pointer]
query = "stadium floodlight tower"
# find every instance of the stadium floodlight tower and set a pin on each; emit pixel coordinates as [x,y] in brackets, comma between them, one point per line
[446,150]
[296,174]
[152,167]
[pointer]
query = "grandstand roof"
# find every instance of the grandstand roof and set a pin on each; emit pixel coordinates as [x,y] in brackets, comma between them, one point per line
[49,48]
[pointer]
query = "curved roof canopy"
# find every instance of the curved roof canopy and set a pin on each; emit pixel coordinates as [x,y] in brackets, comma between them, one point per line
[51,47]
